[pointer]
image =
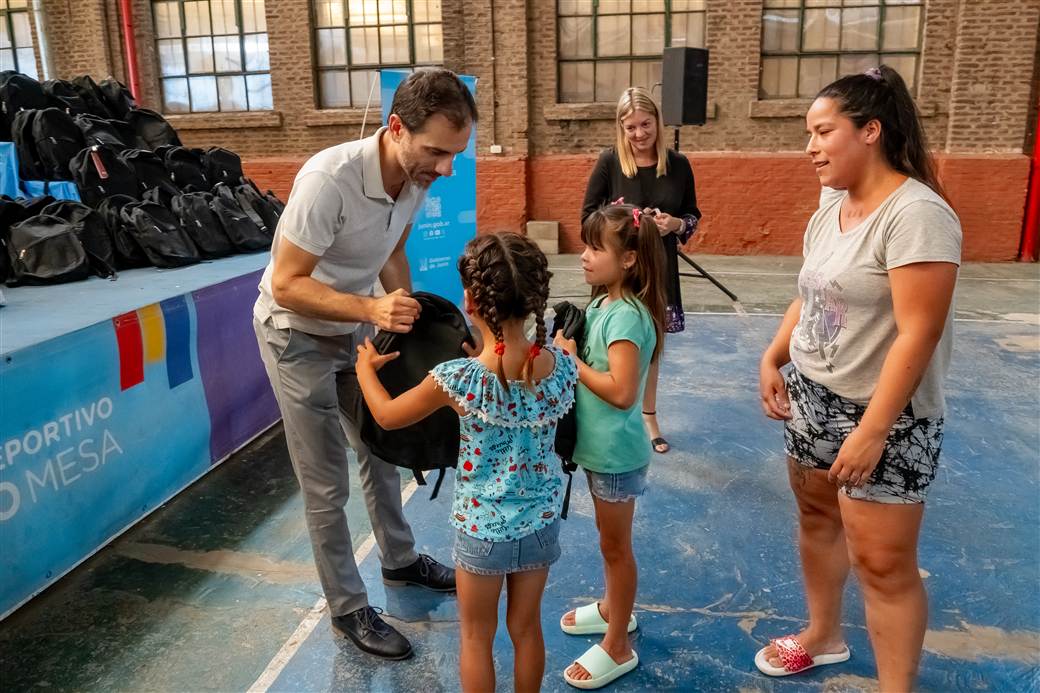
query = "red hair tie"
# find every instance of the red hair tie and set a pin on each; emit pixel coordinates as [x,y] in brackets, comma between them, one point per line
[500,348]
[535,350]
[636,213]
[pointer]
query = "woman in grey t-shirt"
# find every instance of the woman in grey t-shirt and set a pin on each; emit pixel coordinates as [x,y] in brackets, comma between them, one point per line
[870,340]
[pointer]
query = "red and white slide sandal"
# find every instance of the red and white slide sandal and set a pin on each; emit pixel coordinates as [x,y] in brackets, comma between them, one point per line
[794,658]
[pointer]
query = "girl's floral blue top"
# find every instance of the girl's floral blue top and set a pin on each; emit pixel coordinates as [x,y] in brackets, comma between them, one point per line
[509,479]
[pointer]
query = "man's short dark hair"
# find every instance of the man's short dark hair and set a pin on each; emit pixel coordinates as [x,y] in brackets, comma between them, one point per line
[428,92]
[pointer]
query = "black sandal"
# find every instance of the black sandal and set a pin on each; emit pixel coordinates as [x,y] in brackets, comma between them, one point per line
[657,442]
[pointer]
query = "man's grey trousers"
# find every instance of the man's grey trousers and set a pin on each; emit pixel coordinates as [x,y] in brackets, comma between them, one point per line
[308,374]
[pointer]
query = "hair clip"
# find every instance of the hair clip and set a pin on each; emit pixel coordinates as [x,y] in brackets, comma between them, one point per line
[500,348]
[874,73]
[619,201]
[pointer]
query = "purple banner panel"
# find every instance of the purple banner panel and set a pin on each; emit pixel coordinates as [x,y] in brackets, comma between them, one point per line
[238,393]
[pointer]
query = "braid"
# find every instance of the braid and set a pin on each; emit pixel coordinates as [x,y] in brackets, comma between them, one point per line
[507,277]
[494,320]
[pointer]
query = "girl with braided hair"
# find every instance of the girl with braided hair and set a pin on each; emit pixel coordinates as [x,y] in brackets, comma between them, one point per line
[623,333]
[509,482]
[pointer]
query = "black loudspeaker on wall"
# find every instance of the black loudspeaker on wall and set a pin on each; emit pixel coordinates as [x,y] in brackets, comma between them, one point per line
[684,86]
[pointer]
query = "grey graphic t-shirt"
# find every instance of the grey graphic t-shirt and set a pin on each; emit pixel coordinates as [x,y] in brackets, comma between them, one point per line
[847,323]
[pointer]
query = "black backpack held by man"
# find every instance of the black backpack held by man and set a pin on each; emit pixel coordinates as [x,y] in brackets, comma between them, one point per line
[432,443]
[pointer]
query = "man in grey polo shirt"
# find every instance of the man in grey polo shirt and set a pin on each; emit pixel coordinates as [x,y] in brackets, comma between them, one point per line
[344,227]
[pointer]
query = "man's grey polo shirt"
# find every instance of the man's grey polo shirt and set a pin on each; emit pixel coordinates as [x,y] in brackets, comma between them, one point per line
[339,210]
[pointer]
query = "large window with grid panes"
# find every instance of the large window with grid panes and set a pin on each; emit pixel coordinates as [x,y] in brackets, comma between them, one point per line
[807,44]
[213,55]
[606,46]
[354,39]
[16,45]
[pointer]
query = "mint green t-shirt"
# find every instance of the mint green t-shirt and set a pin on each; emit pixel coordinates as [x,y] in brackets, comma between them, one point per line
[612,440]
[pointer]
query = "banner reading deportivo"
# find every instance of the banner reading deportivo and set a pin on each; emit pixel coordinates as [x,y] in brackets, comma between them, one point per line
[448,219]
[100,426]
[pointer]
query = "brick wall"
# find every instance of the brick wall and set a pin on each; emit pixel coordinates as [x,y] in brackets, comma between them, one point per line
[993,76]
[753,203]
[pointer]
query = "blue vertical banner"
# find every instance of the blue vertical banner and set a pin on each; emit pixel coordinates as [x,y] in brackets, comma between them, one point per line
[448,218]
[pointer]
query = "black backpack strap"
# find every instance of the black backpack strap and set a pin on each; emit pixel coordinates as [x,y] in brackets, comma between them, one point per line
[437,486]
[567,493]
[419,478]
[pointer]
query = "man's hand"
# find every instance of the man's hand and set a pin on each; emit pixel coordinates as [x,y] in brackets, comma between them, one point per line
[368,358]
[395,312]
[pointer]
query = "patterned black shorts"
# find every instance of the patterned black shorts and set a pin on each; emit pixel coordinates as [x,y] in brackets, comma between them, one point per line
[821,420]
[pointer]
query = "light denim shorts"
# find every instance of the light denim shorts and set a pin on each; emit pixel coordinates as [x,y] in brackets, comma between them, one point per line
[484,557]
[618,488]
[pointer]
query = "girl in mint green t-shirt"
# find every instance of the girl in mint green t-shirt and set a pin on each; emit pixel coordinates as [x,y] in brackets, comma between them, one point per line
[623,332]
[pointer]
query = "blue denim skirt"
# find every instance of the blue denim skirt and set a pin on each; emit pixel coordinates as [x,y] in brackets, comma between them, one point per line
[484,557]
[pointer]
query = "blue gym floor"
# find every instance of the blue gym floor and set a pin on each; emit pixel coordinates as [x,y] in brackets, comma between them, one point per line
[714,540]
[216,590]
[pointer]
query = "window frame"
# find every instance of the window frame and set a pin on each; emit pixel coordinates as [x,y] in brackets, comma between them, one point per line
[799,53]
[631,58]
[241,35]
[6,17]
[350,68]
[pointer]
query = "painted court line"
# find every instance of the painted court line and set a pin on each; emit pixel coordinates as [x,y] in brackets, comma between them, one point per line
[314,616]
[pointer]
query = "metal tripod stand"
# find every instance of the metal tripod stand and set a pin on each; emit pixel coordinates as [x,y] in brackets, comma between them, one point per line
[701,272]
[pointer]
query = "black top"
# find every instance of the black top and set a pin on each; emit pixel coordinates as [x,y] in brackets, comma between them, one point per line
[673,193]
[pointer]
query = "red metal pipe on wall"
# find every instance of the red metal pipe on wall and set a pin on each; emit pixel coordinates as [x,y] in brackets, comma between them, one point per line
[1031,225]
[130,48]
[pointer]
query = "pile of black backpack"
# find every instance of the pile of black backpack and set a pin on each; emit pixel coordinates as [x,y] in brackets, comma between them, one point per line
[146,199]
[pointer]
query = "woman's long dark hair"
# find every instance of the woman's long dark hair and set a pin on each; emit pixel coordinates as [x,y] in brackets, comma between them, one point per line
[615,226]
[881,94]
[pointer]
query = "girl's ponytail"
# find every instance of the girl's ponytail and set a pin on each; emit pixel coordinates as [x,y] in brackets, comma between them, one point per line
[881,94]
[647,275]
[626,229]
